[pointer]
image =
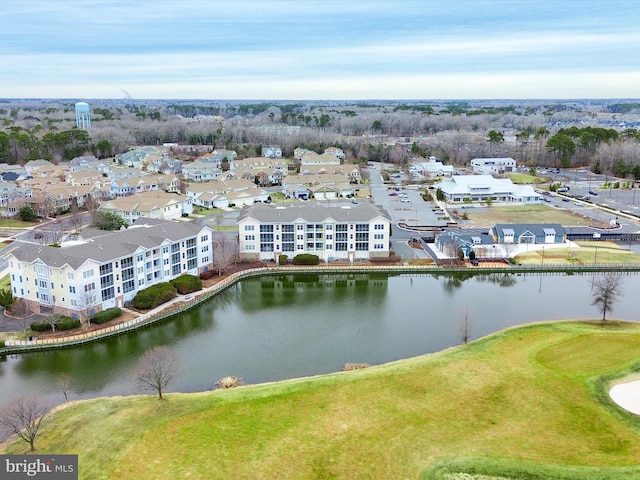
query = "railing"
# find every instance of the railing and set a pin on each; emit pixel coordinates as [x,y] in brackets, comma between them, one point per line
[181,304]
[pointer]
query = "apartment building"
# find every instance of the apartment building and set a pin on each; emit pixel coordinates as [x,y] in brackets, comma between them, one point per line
[108,270]
[355,232]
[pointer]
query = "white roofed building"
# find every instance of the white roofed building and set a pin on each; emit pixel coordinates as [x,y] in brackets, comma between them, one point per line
[483,188]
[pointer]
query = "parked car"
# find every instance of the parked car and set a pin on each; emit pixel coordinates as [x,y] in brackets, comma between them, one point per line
[393,194]
[591,192]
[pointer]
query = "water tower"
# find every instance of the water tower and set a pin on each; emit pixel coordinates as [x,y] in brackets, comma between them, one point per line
[83,115]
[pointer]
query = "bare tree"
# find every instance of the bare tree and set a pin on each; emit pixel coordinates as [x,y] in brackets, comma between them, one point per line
[76,218]
[87,300]
[157,368]
[64,380]
[23,417]
[52,319]
[225,251]
[20,311]
[464,327]
[606,290]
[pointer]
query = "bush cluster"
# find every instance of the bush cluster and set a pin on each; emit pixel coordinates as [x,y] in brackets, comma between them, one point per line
[306,259]
[186,284]
[106,315]
[67,323]
[207,275]
[63,323]
[282,259]
[153,296]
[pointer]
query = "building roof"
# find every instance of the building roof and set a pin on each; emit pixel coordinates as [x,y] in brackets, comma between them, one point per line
[313,212]
[537,229]
[144,232]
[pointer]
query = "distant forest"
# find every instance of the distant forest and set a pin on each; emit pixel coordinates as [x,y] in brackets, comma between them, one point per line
[603,135]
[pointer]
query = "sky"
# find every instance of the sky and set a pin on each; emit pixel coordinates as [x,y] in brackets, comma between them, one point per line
[320,50]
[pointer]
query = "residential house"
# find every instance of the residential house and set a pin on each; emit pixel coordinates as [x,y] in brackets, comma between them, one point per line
[165,165]
[271,151]
[107,271]
[338,152]
[199,171]
[35,167]
[339,185]
[225,193]
[356,232]
[152,204]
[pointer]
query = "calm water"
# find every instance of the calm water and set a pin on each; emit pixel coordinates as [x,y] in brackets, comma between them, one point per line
[281,327]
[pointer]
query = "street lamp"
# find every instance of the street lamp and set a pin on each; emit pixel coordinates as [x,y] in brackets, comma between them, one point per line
[542,255]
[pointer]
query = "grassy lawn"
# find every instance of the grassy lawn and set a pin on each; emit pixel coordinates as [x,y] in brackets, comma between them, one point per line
[525,214]
[13,223]
[524,178]
[5,282]
[588,252]
[519,403]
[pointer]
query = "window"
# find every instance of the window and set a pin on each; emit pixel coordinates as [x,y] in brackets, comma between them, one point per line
[87,273]
[72,289]
[89,287]
[204,238]
[249,228]
[378,226]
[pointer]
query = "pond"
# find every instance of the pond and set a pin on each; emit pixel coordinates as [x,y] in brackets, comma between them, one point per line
[285,326]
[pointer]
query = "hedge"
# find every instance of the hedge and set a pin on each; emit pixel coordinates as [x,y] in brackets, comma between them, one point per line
[306,259]
[106,315]
[40,326]
[67,323]
[64,323]
[282,259]
[186,284]
[153,296]
[207,275]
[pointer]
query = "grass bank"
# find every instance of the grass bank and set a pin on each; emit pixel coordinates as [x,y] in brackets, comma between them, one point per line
[522,401]
[585,253]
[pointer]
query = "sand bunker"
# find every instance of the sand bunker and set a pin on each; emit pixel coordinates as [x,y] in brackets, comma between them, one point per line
[627,395]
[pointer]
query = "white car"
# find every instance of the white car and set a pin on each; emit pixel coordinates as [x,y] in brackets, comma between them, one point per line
[405,200]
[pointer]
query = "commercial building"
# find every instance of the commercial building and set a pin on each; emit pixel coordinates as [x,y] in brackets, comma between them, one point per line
[355,232]
[485,188]
[107,271]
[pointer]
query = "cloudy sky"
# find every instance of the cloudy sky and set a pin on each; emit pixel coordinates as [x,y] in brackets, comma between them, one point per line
[297,49]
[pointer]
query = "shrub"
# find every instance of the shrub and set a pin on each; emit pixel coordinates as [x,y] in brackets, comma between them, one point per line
[67,323]
[106,315]
[2,344]
[186,284]
[207,275]
[282,259]
[229,382]
[40,326]
[153,296]
[306,259]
